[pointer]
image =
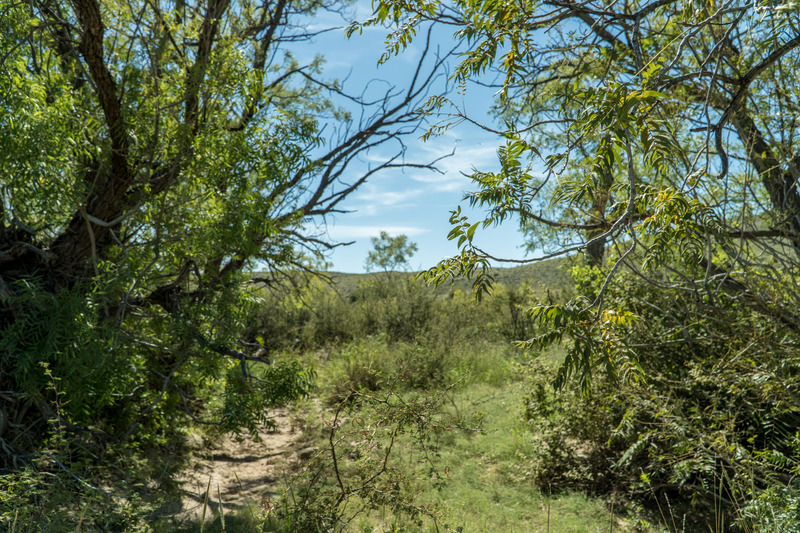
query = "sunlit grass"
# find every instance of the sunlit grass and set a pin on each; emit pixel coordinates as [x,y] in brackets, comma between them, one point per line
[487,488]
[487,485]
[485,481]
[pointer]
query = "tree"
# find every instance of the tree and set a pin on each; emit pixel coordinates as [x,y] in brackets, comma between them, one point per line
[153,153]
[659,139]
[390,253]
[656,129]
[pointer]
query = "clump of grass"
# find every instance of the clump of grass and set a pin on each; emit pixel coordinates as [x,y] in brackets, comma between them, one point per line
[366,364]
[489,486]
[484,480]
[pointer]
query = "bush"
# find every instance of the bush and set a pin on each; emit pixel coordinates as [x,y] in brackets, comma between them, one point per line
[355,471]
[392,305]
[56,489]
[309,317]
[713,423]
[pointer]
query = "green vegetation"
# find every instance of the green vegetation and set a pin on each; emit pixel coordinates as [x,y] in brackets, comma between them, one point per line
[658,140]
[437,420]
[704,441]
[390,253]
[155,153]
[440,407]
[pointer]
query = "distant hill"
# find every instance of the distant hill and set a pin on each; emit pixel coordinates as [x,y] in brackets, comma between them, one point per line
[552,274]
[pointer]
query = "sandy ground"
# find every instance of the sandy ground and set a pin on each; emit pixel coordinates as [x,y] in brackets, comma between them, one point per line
[238,470]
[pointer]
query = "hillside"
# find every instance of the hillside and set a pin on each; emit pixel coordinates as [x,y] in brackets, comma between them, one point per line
[552,274]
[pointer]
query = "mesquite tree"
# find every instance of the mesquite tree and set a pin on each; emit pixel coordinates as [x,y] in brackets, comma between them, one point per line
[659,139]
[153,153]
[658,130]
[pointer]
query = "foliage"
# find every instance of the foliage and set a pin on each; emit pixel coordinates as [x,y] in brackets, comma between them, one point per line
[659,140]
[487,476]
[398,308]
[602,108]
[60,330]
[357,472]
[50,492]
[390,253]
[540,278]
[485,479]
[392,326]
[482,482]
[248,401]
[153,154]
[393,307]
[775,509]
[472,364]
[714,422]
[45,496]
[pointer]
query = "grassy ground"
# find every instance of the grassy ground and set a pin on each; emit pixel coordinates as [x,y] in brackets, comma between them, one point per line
[485,485]
[386,375]
[488,485]
[487,488]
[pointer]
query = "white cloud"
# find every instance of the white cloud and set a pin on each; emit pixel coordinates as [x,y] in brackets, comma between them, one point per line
[482,156]
[452,181]
[402,187]
[467,156]
[382,197]
[375,197]
[347,232]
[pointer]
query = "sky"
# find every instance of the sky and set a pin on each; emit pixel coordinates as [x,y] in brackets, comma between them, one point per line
[414,202]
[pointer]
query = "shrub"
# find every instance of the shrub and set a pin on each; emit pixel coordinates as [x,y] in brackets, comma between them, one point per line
[355,471]
[713,423]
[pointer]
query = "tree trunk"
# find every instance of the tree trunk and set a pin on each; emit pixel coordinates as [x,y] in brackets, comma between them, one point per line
[780,185]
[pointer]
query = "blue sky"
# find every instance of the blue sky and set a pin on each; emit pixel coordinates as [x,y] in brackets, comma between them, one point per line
[414,202]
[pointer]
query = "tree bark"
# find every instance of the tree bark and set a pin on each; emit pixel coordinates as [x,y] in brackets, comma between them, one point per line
[80,239]
[779,184]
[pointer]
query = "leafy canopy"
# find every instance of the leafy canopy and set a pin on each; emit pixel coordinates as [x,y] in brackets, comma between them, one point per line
[659,140]
[390,253]
[644,135]
[154,154]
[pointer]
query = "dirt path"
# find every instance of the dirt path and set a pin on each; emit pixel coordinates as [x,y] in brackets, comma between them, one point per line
[238,470]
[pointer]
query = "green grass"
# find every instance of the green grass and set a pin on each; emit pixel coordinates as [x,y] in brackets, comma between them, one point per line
[487,487]
[486,481]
